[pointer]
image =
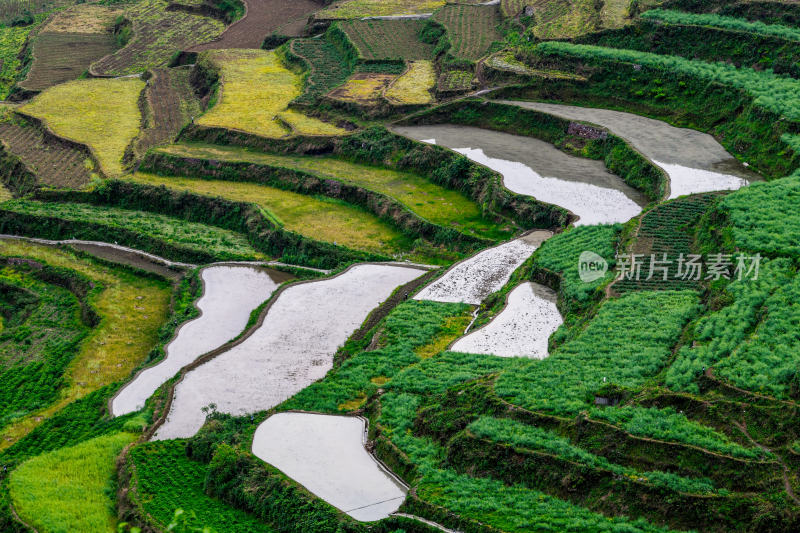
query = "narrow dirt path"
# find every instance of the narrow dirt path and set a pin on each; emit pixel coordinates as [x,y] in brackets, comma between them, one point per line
[786,483]
[261,19]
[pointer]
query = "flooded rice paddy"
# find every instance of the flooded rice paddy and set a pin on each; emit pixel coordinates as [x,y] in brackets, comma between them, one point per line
[521,329]
[536,168]
[326,455]
[293,347]
[231,292]
[475,278]
[694,161]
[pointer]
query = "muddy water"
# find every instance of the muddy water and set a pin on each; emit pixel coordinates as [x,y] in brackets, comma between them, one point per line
[293,348]
[535,168]
[326,455]
[522,328]
[694,161]
[231,292]
[475,278]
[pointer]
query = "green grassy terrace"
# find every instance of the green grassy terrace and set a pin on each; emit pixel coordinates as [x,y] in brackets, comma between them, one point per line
[428,200]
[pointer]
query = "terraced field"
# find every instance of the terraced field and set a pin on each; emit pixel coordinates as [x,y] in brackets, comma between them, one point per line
[79,111]
[157,34]
[317,218]
[171,104]
[327,67]
[428,200]
[256,90]
[518,387]
[354,9]
[56,164]
[471,29]
[60,57]
[131,309]
[387,39]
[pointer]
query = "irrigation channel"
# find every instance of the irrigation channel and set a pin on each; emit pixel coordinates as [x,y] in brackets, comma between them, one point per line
[536,168]
[694,161]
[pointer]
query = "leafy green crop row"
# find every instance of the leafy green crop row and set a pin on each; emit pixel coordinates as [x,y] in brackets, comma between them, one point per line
[718,21]
[534,438]
[166,480]
[754,341]
[772,92]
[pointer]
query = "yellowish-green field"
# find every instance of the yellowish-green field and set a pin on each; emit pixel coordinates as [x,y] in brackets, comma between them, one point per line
[349,9]
[414,86]
[66,490]
[363,88]
[317,218]
[255,89]
[84,18]
[430,201]
[101,113]
[132,309]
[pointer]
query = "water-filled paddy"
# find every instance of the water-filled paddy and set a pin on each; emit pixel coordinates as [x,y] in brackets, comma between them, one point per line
[231,293]
[522,328]
[326,455]
[475,278]
[293,348]
[694,161]
[535,168]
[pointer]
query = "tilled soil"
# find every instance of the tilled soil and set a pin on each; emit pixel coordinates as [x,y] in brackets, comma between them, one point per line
[172,104]
[263,18]
[55,163]
[60,57]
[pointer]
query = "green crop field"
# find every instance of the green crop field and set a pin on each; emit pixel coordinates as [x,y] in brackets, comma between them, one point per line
[327,67]
[167,480]
[471,29]
[224,244]
[428,200]
[387,39]
[131,311]
[12,39]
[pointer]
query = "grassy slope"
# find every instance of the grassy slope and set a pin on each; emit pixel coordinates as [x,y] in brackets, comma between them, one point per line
[428,200]
[172,230]
[102,113]
[132,309]
[67,490]
[256,87]
[317,218]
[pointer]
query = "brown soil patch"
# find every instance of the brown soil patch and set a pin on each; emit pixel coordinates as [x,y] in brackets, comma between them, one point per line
[263,18]
[364,88]
[55,163]
[61,57]
[170,105]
